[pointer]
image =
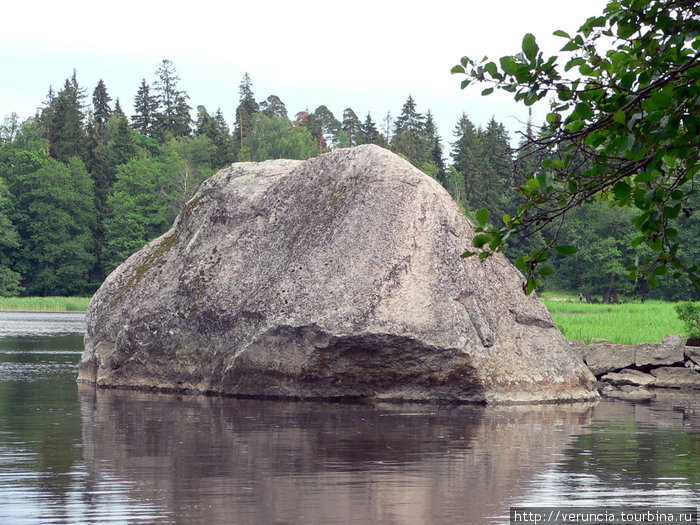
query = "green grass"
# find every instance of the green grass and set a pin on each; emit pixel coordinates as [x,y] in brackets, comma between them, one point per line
[624,323]
[45,304]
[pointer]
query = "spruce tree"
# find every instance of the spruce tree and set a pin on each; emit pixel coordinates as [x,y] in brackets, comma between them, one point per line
[118,109]
[223,142]
[145,107]
[173,115]
[435,148]
[67,132]
[465,152]
[370,135]
[410,138]
[101,109]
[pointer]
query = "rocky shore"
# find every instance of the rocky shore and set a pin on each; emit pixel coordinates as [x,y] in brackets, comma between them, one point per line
[639,370]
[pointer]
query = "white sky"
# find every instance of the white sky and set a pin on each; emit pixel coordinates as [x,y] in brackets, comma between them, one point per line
[368,55]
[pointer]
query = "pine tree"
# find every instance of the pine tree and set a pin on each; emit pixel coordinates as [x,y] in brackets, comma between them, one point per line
[324,127]
[273,106]
[245,112]
[145,107]
[352,127]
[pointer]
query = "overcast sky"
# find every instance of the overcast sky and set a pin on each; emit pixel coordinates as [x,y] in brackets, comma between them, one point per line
[368,55]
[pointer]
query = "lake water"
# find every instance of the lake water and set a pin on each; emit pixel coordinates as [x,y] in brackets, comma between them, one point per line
[74,454]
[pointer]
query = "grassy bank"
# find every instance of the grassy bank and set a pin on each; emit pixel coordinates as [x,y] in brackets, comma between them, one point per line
[624,323]
[44,304]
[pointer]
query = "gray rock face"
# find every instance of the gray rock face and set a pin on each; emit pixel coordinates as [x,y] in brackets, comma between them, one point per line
[335,277]
[656,354]
[693,353]
[602,358]
[676,377]
[628,376]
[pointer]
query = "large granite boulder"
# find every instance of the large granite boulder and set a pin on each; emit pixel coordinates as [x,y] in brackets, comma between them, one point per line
[338,277]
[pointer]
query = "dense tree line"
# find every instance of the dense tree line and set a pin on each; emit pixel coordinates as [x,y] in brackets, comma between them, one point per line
[83,185]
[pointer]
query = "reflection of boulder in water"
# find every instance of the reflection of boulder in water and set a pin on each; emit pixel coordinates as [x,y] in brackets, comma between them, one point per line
[215,460]
[336,277]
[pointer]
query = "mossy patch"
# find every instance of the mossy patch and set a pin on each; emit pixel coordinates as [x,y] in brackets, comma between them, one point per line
[155,258]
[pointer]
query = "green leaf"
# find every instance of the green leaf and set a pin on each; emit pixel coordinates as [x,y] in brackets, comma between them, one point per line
[480,240]
[530,47]
[671,212]
[575,126]
[655,244]
[653,282]
[662,99]
[458,69]
[583,110]
[566,250]
[487,91]
[625,30]
[571,45]
[661,270]
[553,118]
[620,117]
[467,254]
[508,65]
[561,33]
[622,191]
[482,216]
[492,69]
[546,270]
[532,283]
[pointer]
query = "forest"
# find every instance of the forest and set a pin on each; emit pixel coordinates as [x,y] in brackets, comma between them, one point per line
[83,185]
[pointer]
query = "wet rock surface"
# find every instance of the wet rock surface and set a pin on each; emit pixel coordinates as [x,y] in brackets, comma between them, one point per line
[338,277]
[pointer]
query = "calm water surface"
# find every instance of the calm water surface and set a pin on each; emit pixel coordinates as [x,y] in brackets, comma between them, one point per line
[71,454]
